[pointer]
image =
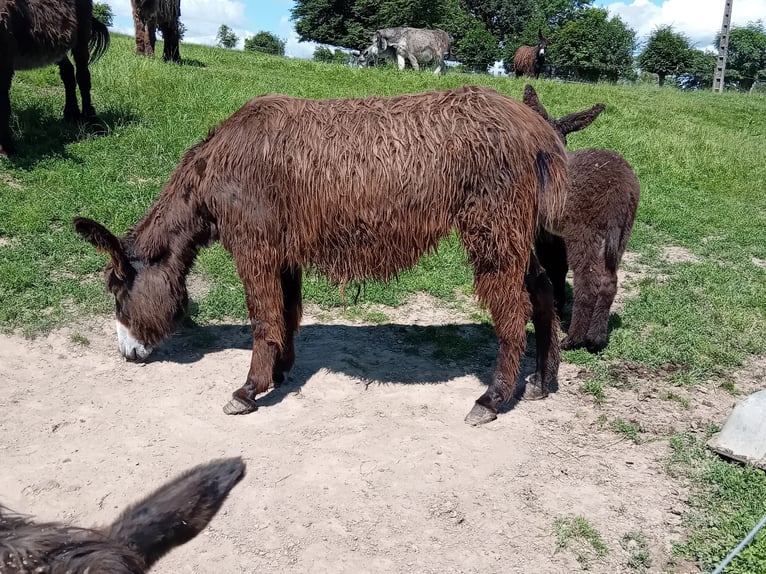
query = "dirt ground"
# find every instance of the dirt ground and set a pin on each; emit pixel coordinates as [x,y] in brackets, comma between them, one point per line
[360,463]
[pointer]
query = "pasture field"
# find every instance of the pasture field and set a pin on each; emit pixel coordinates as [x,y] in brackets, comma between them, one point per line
[688,337]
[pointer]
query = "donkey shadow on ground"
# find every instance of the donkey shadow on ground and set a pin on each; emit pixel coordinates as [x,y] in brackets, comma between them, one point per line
[373,354]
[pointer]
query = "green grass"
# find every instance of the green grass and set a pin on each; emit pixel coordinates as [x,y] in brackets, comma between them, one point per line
[626,429]
[700,157]
[727,500]
[639,558]
[576,534]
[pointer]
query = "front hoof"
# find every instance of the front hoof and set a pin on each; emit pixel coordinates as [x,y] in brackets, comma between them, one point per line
[595,346]
[239,406]
[534,389]
[570,345]
[480,415]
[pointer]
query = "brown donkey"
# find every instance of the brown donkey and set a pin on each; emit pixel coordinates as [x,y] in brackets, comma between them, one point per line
[357,187]
[36,33]
[593,232]
[148,15]
[141,535]
[530,60]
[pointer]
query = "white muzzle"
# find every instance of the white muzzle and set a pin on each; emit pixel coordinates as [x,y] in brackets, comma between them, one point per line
[131,348]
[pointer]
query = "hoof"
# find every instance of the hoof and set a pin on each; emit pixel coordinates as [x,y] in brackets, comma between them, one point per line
[480,415]
[570,345]
[239,407]
[534,390]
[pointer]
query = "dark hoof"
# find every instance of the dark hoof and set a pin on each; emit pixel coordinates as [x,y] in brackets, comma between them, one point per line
[534,389]
[277,378]
[569,345]
[238,406]
[72,116]
[480,415]
[595,346]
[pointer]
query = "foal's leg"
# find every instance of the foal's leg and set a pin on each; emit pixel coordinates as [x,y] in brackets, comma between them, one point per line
[81,57]
[587,260]
[263,292]
[552,254]
[6,142]
[170,52]
[546,332]
[292,311]
[66,71]
[596,338]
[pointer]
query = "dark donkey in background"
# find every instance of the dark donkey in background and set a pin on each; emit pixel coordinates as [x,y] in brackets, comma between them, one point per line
[530,60]
[359,188]
[593,231]
[36,33]
[141,535]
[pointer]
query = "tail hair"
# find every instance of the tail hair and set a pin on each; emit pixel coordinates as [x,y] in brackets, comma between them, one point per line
[614,239]
[177,511]
[551,172]
[99,39]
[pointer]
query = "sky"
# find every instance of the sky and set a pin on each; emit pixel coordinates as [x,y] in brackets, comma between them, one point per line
[698,19]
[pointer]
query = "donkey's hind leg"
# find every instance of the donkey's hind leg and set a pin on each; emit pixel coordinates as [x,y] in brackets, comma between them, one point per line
[66,71]
[596,338]
[263,292]
[292,311]
[81,58]
[587,261]
[552,254]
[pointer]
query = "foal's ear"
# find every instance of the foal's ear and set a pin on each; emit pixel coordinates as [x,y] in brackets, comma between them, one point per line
[103,240]
[579,120]
[177,511]
[539,34]
[531,99]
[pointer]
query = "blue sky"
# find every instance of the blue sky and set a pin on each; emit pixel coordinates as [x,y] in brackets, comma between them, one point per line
[698,19]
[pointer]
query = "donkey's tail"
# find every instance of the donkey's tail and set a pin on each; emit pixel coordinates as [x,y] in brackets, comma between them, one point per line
[614,245]
[177,511]
[99,39]
[551,172]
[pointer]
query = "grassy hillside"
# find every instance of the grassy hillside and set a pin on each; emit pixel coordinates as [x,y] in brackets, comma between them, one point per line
[700,157]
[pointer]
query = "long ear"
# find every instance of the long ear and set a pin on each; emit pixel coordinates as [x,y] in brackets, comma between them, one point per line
[103,240]
[539,34]
[579,120]
[531,99]
[382,43]
[178,511]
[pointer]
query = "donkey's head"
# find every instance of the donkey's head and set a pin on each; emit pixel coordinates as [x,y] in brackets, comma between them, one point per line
[542,46]
[150,295]
[570,123]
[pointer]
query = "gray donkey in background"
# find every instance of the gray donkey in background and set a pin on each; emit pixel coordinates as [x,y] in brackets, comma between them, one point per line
[414,45]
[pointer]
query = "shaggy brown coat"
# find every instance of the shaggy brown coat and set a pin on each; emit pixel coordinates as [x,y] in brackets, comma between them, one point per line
[141,535]
[148,15]
[359,188]
[530,60]
[37,33]
[592,234]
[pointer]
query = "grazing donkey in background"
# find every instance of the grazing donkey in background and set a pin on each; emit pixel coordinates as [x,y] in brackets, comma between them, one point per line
[414,45]
[140,536]
[37,33]
[359,188]
[592,233]
[148,15]
[530,60]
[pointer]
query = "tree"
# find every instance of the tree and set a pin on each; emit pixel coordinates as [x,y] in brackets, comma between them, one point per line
[667,53]
[592,47]
[103,13]
[699,73]
[477,50]
[226,37]
[181,30]
[324,54]
[266,42]
[746,59]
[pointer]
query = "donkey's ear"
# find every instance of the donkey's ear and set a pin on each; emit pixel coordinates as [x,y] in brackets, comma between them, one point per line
[540,34]
[579,120]
[103,240]
[177,511]
[531,99]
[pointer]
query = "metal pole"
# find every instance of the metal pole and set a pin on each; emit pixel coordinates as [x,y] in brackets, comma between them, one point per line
[740,546]
[723,48]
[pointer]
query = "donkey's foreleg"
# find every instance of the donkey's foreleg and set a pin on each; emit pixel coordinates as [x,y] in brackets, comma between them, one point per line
[509,306]
[81,58]
[6,142]
[263,292]
[66,72]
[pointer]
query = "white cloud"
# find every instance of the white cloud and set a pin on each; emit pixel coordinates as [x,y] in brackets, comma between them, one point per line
[698,19]
[293,47]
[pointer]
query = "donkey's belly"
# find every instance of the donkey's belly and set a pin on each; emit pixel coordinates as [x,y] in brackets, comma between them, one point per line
[31,61]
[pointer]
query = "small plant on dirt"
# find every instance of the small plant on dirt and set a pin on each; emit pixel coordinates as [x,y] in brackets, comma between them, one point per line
[680,399]
[366,315]
[596,388]
[729,387]
[576,534]
[79,339]
[634,543]
[626,429]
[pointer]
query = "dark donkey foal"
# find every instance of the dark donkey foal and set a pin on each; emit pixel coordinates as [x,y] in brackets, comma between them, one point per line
[592,233]
[36,33]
